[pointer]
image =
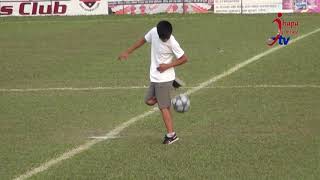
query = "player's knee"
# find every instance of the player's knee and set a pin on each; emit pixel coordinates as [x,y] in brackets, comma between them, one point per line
[151,102]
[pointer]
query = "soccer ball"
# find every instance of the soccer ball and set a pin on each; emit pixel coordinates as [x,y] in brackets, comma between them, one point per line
[181,103]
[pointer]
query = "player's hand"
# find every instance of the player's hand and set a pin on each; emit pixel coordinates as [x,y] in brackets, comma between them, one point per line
[163,67]
[123,56]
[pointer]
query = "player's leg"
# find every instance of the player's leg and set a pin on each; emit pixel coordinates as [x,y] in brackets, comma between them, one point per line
[171,136]
[162,92]
[167,119]
[150,98]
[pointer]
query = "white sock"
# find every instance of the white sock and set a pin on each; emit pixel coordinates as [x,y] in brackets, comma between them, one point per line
[170,135]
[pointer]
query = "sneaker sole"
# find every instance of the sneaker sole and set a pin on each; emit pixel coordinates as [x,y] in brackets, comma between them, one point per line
[173,141]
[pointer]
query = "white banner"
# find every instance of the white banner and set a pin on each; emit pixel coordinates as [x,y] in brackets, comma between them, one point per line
[53,8]
[227,6]
[261,6]
[88,7]
[249,6]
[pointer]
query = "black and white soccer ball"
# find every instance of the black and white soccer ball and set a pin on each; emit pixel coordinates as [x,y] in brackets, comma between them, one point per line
[181,103]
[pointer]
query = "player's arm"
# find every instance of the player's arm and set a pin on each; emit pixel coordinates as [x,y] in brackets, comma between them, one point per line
[163,67]
[124,55]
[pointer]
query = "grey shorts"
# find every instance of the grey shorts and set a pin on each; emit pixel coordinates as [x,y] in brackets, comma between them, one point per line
[162,92]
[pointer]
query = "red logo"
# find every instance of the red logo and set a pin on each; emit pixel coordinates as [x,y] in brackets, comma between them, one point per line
[278,21]
[89,5]
[284,28]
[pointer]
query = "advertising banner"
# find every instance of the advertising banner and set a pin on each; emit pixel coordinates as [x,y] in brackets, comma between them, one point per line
[104,7]
[227,6]
[249,6]
[287,4]
[307,6]
[53,8]
[261,6]
[159,6]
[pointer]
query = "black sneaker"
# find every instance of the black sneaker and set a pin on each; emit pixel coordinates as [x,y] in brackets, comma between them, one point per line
[170,140]
[177,83]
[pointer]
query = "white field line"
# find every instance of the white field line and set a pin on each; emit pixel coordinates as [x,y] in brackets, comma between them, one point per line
[103,137]
[71,89]
[145,87]
[121,127]
[245,63]
[265,86]
[112,134]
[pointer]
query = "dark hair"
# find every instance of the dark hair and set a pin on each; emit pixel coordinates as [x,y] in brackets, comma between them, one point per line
[164,29]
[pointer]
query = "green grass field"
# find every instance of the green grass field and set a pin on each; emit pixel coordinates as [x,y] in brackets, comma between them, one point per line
[236,129]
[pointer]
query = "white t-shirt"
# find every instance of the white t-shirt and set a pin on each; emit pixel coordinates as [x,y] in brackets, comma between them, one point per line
[162,53]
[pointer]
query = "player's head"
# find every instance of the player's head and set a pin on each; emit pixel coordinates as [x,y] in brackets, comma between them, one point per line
[164,29]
